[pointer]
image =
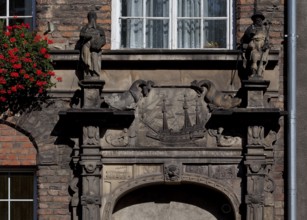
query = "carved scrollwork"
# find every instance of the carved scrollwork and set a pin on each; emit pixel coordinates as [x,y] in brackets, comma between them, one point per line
[269,184]
[255,199]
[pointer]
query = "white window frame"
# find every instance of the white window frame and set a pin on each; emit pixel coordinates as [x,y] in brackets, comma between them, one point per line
[7,17]
[9,200]
[116,26]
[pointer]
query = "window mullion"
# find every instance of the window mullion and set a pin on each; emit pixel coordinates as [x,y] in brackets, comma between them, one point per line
[144,23]
[174,22]
[202,41]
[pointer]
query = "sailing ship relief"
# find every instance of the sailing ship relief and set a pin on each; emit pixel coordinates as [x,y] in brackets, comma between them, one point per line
[174,118]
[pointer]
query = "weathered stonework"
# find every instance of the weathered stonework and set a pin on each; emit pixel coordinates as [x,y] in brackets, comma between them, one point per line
[119,136]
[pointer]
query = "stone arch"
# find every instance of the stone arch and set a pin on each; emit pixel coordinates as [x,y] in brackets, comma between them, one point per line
[18,147]
[144,182]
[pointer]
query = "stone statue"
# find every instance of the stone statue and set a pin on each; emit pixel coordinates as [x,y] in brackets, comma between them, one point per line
[92,38]
[255,46]
[213,97]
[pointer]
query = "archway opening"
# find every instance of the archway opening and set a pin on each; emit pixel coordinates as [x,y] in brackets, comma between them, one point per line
[174,202]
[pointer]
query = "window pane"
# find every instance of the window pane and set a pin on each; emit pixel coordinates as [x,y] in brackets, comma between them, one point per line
[132,33]
[2,7]
[157,8]
[21,185]
[22,210]
[188,8]
[3,186]
[157,33]
[215,8]
[20,7]
[4,210]
[188,35]
[132,8]
[215,33]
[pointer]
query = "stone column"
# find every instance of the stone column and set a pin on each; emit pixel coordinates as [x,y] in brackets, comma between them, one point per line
[90,161]
[255,161]
[90,152]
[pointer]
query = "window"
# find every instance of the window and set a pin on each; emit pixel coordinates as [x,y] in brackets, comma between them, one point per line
[12,11]
[17,196]
[172,24]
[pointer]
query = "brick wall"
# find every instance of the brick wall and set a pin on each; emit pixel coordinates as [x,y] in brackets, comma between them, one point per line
[15,148]
[68,17]
[246,8]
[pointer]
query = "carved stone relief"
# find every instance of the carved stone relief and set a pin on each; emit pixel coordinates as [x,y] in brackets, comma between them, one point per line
[91,135]
[169,116]
[129,99]
[255,135]
[172,173]
[225,140]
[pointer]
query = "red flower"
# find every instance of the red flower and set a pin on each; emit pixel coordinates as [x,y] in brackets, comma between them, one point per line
[22,71]
[41,83]
[10,28]
[5,45]
[34,65]
[47,56]
[22,35]
[2,91]
[26,76]
[51,73]
[49,41]
[14,88]
[7,33]
[20,87]
[43,50]
[17,66]
[2,80]
[12,39]
[2,99]
[1,57]
[59,79]
[39,72]
[27,26]
[14,74]
[28,54]
[37,38]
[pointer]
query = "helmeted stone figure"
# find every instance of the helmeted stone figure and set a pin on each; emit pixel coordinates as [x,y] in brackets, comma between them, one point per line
[93,39]
[255,46]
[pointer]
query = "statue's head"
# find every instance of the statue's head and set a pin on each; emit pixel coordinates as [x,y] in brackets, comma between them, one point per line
[91,15]
[257,15]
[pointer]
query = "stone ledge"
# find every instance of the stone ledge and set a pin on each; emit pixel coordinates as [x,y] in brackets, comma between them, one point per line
[160,55]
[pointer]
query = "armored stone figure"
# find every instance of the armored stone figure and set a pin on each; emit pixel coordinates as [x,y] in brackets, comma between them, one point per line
[255,46]
[92,38]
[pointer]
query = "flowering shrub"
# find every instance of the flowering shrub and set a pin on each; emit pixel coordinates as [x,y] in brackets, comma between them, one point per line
[25,68]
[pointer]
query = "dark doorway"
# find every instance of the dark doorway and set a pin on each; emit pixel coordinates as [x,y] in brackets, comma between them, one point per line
[174,202]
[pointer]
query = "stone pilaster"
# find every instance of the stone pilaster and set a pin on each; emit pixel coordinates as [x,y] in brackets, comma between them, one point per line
[256,164]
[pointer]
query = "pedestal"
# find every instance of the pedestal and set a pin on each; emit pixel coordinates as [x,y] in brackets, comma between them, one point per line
[255,89]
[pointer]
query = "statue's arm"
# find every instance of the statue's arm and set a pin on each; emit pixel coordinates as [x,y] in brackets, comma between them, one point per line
[85,34]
